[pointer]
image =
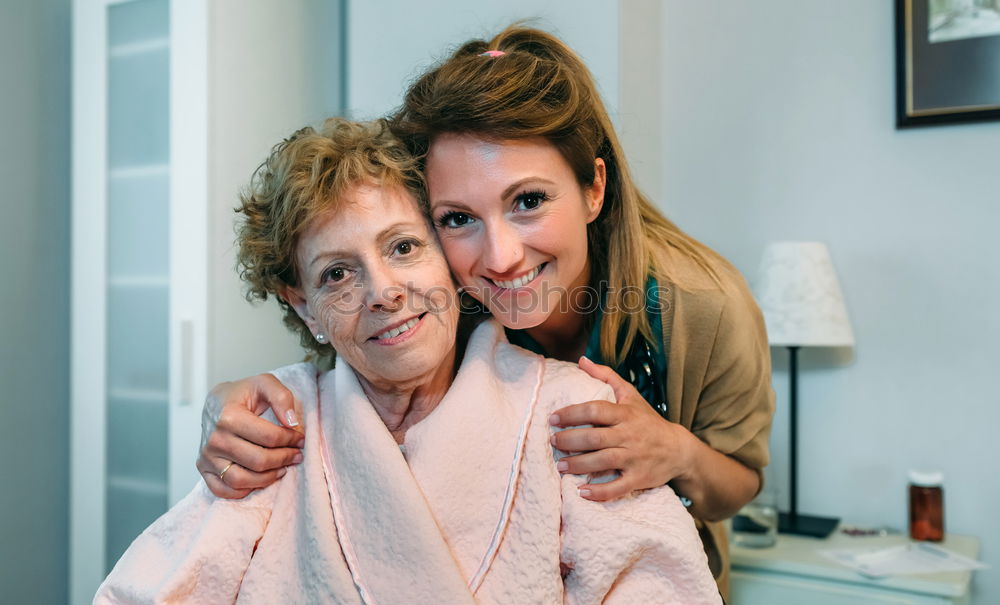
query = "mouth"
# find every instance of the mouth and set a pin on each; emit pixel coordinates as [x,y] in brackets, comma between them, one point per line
[399,331]
[520,282]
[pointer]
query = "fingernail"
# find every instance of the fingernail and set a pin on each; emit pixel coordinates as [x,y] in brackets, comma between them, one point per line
[554,419]
[301,444]
[584,492]
[297,459]
[585,358]
[562,465]
[291,419]
[281,472]
[552,439]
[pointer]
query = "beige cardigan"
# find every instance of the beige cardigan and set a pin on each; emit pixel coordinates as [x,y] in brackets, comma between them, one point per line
[718,372]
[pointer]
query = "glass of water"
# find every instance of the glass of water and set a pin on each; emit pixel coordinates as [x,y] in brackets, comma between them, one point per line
[756,525]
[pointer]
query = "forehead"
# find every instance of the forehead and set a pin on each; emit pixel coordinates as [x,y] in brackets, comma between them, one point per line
[451,144]
[364,213]
[366,208]
[457,159]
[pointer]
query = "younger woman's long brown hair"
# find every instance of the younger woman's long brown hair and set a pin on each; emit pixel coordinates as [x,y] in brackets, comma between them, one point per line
[539,87]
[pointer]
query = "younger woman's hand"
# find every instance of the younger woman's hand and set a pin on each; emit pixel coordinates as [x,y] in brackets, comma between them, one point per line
[240,451]
[628,436]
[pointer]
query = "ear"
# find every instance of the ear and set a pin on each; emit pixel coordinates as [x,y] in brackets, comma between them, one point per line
[595,192]
[296,299]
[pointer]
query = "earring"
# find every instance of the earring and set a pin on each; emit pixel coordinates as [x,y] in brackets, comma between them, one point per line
[321,338]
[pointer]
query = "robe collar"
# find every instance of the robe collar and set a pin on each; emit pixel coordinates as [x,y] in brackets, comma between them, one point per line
[426,528]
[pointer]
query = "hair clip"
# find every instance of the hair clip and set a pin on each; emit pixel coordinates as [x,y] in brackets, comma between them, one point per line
[492,53]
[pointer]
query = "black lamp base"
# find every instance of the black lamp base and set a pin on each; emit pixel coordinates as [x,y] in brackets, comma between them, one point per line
[806,525]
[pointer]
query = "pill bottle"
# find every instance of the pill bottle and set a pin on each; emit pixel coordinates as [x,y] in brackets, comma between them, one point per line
[926,506]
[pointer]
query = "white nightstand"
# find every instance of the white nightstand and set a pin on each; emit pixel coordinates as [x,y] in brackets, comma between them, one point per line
[794,573]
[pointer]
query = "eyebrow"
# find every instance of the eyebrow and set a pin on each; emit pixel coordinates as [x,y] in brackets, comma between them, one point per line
[508,191]
[382,235]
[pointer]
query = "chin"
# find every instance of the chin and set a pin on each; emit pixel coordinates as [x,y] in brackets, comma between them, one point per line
[521,321]
[403,371]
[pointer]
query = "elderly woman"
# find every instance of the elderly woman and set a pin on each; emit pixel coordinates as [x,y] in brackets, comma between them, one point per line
[386,506]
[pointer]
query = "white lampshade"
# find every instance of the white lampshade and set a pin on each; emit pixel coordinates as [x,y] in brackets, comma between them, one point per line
[798,291]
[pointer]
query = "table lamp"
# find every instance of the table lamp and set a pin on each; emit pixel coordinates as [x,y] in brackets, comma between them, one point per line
[800,297]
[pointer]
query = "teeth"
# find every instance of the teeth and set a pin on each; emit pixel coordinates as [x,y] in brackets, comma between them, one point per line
[517,283]
[397,331]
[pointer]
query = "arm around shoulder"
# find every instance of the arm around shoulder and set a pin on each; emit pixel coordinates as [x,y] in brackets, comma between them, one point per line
[721,358]
[736,404]
[234,431]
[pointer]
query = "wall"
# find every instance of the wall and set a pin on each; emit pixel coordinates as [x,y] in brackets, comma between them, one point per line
[381,65]
[778,124]
[272,70]
[34,299]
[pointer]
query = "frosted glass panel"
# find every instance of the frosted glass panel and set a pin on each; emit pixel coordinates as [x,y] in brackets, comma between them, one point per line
[131,509]
[138,214]
[138,346]
[138,22]
[137,443]
[138,296]
[138,108]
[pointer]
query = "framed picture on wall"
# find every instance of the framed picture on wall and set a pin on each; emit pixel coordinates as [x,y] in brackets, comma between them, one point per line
[947,61]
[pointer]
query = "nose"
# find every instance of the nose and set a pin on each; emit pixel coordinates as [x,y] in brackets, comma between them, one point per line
[503,249]
[385,289]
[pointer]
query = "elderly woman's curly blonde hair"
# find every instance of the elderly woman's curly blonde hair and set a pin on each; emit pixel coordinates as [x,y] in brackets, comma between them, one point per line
[308,175]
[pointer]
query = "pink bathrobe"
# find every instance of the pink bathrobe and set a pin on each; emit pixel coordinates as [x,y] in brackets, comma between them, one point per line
[470,510]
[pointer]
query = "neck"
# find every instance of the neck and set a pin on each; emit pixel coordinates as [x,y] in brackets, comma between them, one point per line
[401,405]
[564,334]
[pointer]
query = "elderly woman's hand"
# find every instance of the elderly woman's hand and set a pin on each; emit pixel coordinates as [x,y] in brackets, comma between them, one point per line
[628,436]
[240,451]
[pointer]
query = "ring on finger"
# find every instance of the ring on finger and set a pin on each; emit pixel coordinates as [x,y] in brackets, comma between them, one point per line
[223,472]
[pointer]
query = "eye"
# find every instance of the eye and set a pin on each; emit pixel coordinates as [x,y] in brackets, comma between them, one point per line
[530,200]
[405,247]
[334,275]
[452,220]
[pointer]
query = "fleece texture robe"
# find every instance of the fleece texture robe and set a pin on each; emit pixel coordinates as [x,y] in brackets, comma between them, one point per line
[471,509]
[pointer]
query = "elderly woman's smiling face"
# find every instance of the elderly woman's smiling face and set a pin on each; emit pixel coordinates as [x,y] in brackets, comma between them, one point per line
[373,280]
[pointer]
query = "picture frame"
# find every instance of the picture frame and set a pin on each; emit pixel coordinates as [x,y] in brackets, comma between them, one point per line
[947,61]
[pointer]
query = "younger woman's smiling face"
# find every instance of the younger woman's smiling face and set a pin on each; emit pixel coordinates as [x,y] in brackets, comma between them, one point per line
[374,281]
[512,219]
